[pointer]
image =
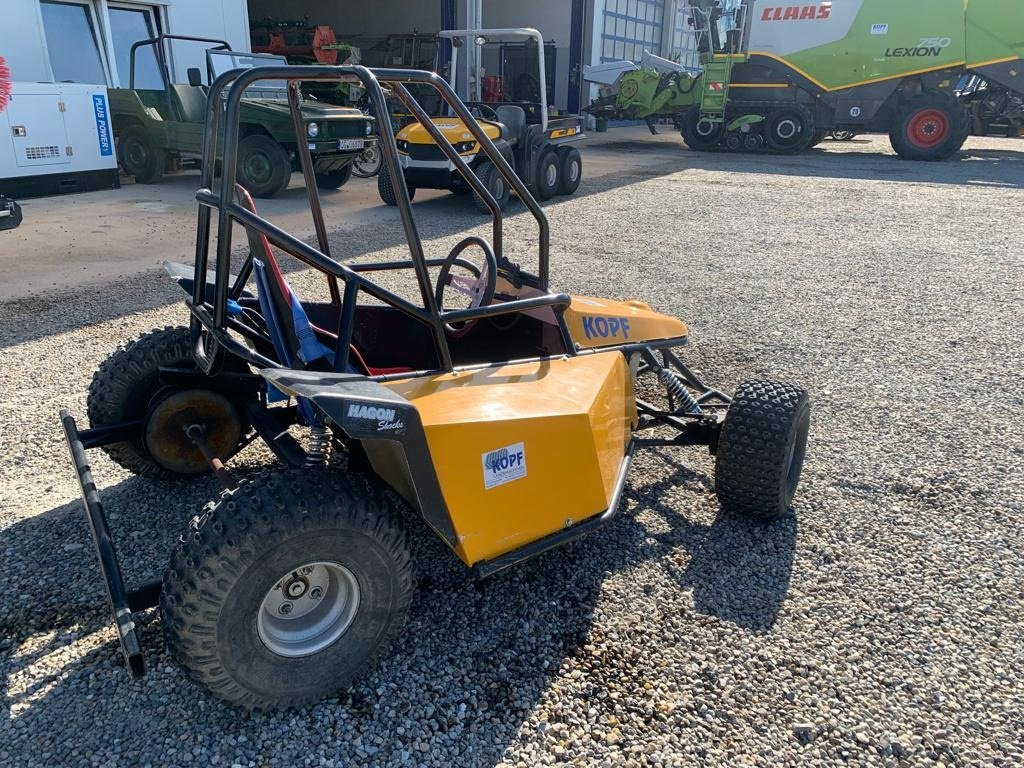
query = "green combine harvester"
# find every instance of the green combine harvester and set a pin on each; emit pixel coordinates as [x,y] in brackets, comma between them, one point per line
[780,76]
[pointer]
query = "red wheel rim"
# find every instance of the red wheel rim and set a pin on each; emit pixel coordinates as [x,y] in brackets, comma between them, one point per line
[928,128]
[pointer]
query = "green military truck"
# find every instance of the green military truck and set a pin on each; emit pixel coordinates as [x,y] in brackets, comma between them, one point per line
[780,75]
[153,126]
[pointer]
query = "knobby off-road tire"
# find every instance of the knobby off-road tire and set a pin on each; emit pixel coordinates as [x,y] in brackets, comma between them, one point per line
[126,382]
[931,126]
[387,191]
[761,449]
[261,535]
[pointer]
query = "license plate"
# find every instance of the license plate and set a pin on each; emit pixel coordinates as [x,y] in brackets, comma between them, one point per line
[350,143]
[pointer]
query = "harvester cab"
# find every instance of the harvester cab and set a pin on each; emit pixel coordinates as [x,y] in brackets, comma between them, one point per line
[503,413]
[533,142]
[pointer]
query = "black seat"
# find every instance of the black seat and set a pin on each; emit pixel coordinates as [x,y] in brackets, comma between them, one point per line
[191,102]
[512,121]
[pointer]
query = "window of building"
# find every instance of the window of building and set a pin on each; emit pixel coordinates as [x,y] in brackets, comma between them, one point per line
[72,42]
[128,25]
[630,28]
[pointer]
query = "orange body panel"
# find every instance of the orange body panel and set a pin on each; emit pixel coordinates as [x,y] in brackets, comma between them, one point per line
[521,450]
[597,322]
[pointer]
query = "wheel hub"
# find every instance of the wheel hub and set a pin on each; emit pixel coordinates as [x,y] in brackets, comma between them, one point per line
[308,609]
[706,128]
[551,175]
[258,168]
[165,436]
[928,128]
[136,154]
[786,130]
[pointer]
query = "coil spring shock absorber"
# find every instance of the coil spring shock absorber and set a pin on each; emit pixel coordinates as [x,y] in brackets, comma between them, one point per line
[688,403]
[319,443]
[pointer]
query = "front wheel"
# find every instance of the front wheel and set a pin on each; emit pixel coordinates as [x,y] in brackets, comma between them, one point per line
[140,156]
[387,190]
[282,591]
[495,183]
[700,133]
[334,179]
[761,449]
[931,126]
[264,167]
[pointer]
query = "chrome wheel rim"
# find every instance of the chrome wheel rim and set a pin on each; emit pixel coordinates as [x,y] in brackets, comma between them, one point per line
[551,175]
[574,171]
[308,609]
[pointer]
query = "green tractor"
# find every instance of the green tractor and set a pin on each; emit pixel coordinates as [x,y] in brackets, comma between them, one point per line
[156,125]
[780,75]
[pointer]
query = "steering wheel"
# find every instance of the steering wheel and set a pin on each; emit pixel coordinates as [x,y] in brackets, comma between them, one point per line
[479,286]
[478,110]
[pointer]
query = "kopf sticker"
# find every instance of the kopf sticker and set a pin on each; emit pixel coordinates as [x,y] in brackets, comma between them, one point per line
[504,465]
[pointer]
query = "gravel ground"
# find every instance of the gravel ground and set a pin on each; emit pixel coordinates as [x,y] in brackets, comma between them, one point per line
[883,624]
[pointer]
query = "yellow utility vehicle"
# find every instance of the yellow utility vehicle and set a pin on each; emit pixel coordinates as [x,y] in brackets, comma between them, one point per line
[503,413]
[534,143]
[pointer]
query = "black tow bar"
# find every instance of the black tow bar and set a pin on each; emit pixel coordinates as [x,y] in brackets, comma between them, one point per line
[123,602]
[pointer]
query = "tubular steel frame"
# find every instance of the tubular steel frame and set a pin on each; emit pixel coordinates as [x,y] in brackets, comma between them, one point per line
[222,139]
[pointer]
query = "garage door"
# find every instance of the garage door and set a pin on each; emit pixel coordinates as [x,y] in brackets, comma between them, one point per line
[630,28]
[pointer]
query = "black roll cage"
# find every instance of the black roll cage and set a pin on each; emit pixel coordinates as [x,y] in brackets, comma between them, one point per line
[162,59]
[222,121]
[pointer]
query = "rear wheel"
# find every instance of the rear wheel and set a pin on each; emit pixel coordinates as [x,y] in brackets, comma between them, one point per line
[790,129]
[699,133]
[571,168]
[283,590]
[334,179]
[548,175]
[140,156]
[126,387]
[761,449]
[496,184]
[931,126]
[264,167]
[387,190]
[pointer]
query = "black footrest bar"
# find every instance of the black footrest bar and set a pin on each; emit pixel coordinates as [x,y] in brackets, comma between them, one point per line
[122,602]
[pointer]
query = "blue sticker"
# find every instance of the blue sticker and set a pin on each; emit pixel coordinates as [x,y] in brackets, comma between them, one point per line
[99,106]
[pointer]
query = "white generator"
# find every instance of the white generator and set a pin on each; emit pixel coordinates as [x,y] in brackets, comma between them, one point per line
[57,137]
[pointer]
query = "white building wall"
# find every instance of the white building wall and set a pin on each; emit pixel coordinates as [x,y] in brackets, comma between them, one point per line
[218,19]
